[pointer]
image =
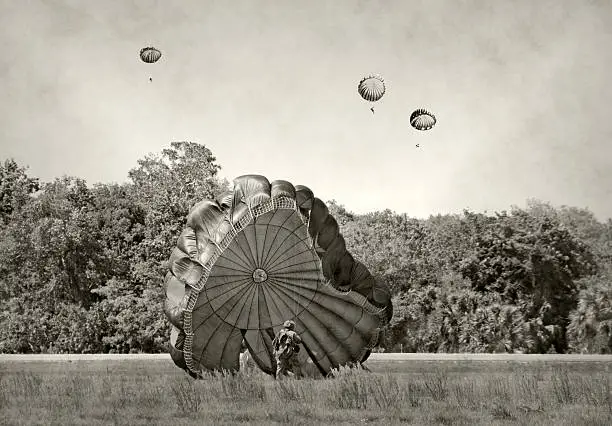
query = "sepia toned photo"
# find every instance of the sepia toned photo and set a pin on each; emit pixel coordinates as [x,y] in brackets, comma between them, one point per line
[272,212]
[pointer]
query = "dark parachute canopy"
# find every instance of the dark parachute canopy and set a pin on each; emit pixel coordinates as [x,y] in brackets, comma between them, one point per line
[150,55]
[255,257]
[422,119]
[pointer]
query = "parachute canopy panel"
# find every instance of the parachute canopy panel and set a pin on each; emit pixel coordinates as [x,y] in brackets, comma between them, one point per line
[249,261]
[371,88]
[150,55]
[422,119]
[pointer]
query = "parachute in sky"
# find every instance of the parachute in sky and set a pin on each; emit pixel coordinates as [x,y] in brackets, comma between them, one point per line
[255,257]
[372,88]
[150,55]
[422,119]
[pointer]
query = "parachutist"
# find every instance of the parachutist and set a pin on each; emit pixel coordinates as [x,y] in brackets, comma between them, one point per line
[372,88]
[150,55]
[286,346]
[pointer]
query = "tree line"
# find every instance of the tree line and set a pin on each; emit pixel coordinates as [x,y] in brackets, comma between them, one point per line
[81,267]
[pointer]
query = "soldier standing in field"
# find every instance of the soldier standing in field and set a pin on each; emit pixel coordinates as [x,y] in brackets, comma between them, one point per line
[286,346]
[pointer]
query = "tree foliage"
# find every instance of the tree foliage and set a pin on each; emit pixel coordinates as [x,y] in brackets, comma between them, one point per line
[16,188]
[481,283]
[81,268]
[590,325]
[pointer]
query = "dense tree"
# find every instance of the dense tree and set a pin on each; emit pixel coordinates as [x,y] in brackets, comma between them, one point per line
[53,248]
[166,187]
[590,326]
[146,217]
[392,246]
[77,258]
[81,268]
[16,188]
[534,261]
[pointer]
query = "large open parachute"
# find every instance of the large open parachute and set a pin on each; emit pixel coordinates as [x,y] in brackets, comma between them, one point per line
[150,55]
[255,257]
[422,119]
[372,88]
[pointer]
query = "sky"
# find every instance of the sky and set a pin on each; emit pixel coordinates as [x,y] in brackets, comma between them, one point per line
[520,90]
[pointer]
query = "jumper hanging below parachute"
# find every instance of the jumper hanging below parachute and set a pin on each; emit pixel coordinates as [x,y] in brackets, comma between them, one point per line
[372,88]
[150,55]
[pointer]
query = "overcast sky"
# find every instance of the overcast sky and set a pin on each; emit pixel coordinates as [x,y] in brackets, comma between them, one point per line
[521,90]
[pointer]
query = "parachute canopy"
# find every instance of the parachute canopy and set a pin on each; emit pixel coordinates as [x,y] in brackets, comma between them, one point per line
[422,119]
[150,55]
[255,257]
[371,88]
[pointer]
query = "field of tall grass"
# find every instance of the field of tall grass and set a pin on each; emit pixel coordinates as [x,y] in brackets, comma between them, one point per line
[438,393]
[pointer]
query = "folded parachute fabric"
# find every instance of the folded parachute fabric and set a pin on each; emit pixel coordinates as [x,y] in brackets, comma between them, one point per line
[255,257]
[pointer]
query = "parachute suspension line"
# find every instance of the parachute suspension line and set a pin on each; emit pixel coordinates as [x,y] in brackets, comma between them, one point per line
[310,240]
[150,55]
[231,212]
[299,214]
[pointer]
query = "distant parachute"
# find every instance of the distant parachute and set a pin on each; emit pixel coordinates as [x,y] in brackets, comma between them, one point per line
[422,119]
[372,88]
[256,256]
[150,55]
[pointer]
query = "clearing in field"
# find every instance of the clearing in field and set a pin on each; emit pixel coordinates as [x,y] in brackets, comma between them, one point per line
[151,391]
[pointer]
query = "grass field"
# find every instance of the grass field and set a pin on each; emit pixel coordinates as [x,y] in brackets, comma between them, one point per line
[420,389]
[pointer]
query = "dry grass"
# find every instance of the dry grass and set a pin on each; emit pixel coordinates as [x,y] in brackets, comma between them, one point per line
[84,395]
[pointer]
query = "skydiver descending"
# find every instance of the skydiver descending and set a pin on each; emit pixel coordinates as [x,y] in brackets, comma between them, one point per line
[150,55]
[372,89]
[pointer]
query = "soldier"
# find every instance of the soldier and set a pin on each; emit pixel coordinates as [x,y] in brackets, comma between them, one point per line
[286,347]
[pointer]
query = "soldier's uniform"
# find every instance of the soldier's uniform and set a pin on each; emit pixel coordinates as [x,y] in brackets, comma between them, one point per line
[286,347]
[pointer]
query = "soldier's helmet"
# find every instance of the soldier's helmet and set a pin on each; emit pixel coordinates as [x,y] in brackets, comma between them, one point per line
[290,325]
